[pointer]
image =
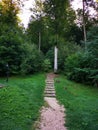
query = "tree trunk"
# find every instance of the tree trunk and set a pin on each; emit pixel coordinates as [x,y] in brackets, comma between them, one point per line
[84,28]
[55,59]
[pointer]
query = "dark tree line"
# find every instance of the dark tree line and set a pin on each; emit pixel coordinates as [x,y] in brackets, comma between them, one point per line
[52,23]
[15,48]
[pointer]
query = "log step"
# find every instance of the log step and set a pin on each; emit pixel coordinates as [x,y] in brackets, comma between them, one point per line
[49,95]
[50,89]
[50,92]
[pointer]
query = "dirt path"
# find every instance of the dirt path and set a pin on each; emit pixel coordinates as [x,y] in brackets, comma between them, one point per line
[52,115]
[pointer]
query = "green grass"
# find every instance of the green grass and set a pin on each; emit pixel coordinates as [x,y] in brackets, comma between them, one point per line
[20,102]
[81,103]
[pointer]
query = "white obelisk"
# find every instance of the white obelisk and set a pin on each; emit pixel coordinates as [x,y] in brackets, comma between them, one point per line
[55,59]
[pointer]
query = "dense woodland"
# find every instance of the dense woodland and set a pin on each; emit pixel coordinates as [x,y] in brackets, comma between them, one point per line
[53,22]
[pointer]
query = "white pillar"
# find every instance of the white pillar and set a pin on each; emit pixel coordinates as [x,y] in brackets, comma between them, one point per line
[55,59]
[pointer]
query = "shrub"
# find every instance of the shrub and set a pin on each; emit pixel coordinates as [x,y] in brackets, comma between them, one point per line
[84,67]
[47,65]
[11,50]
[32,61]
[65,50]
[72,62]
[50,56]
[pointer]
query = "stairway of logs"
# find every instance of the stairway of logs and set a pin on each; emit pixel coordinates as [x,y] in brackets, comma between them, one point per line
[49,89]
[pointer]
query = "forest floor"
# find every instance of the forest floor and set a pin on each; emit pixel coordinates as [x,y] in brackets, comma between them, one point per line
[52,113]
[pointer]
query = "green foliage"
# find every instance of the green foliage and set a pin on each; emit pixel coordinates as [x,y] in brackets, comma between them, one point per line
[56,25]
[15,50]
[50,56]
[20,102]
[56,10]
[11,49]
[71,62]
[93,41]
[80,103]
[47,65]
[83,67]
[79,67]
[22,56]
[32,60]
[36,26]
[8,12]
[66,49]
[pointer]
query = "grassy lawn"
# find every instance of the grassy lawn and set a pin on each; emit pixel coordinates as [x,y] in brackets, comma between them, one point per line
[81,103]
[20,102]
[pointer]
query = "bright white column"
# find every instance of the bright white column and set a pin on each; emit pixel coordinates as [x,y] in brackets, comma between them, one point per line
[55,59]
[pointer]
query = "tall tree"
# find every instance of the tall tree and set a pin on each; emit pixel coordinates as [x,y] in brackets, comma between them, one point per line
[10,35]
[84,29]
[56,9]
[9,11]
[36,16]
[86,12]
[62,16]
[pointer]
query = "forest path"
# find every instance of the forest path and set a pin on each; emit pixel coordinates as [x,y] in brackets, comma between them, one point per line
[52,114]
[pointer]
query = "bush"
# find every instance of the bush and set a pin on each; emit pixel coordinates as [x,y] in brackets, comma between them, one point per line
[50,56]
[32,61]
[72,62]
[65,50]
[47,65]
[83,67]
[11,50]
[22,56]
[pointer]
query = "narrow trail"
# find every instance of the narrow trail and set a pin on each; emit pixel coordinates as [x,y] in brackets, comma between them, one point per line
[52,115]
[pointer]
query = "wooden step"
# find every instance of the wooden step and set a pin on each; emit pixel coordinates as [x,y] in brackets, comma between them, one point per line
[49,80]
[49,89]
[50,92]
[50,84]
[49,95]
[47,85]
